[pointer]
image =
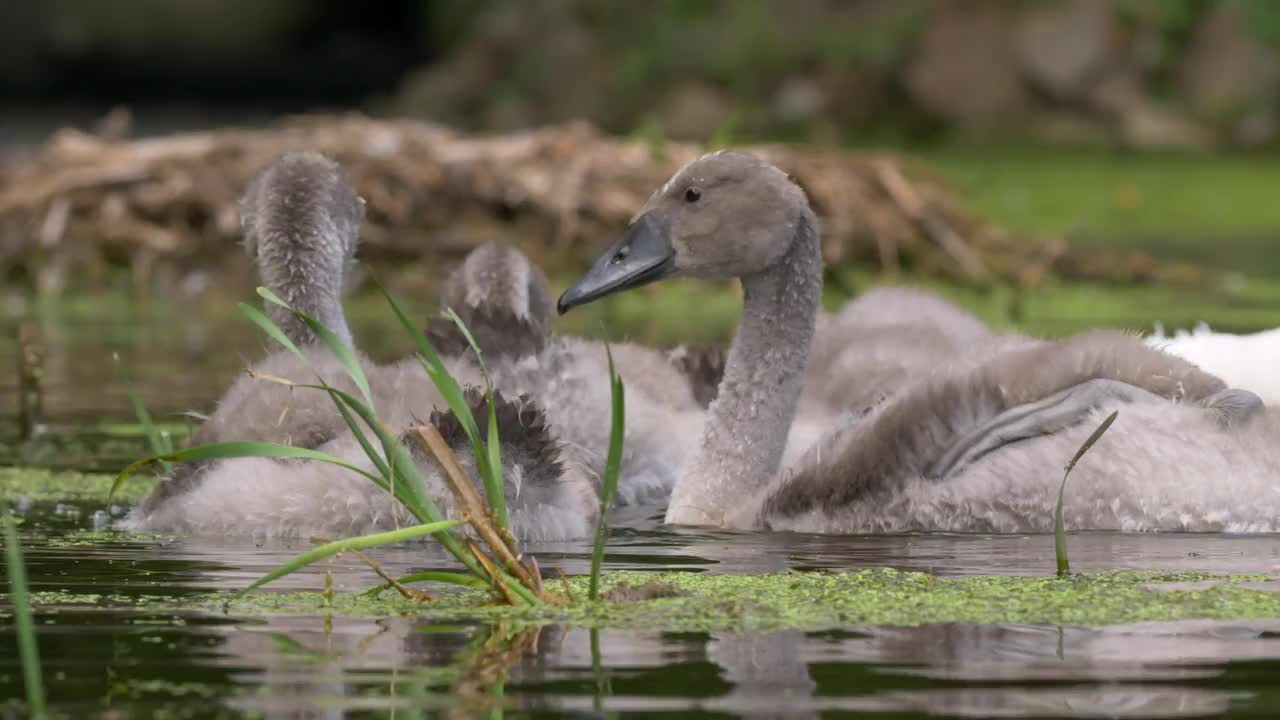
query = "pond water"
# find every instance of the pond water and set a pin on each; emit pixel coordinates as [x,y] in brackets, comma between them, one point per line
[111,657]
[106,655]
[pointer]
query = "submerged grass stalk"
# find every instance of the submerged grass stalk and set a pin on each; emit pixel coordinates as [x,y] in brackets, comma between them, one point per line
[356,543]
[405,591]
[28,650]
[1059,528]
[603,687]
[450,578]
[491,570]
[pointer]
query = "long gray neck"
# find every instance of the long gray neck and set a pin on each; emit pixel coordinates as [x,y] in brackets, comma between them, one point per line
[323,304]
[747,425]
[309,276]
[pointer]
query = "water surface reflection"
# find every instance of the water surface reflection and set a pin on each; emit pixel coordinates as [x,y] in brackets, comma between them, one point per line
[110,660]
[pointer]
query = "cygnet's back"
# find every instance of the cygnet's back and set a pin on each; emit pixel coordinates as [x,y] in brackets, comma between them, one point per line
[855,478]
[883,339]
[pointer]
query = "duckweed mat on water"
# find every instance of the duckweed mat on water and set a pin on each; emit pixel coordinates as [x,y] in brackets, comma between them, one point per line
[682,601]
[796,600]
[39,485]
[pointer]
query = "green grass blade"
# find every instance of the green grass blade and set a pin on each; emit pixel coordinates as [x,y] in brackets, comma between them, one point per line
[410,486]
[363,542]
[159,442]
[262,321]
[1060,535]
[497,693]
[444,577]
[603,686]
[24,624]
[612,468]
[411,489]
[490,463]
[401,471]
[420,502]
[405,472]
[342,352]
[270,328]
[444,382]
[1059,527]
[450,578]
[471,340]
[378,459]
[493,485]
[453,395]
[237,449]
[402,477]
[403,462]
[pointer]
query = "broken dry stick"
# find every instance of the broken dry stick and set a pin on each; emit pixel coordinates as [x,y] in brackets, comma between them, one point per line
[473,506]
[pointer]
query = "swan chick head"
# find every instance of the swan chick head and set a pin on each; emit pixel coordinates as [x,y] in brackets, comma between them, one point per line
[724,215]
[504,300]
[301,221]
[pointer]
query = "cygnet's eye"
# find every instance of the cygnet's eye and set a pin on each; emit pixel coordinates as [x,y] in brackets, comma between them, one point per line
[692,195]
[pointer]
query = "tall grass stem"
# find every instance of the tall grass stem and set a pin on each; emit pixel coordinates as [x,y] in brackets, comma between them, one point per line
[1059,527]
[24,624]
[612,468]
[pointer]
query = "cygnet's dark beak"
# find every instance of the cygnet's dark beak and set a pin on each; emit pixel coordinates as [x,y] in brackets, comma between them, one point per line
[643,255]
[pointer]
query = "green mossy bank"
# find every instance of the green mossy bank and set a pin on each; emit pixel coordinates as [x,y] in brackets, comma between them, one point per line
[42,485]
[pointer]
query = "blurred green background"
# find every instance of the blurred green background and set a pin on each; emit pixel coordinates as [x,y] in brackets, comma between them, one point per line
[1151,122]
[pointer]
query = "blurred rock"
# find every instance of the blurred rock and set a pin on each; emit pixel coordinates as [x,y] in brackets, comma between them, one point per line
[1150,127]
[1139,122]
[507,113]
[799,98]
[1119,91]
[1063,46]
[1068,127]
[855,93]
[964,69]
[1226,68]
[694,110]
[1258,127]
